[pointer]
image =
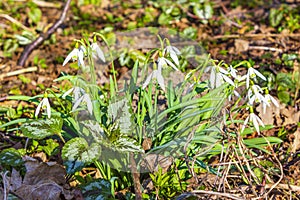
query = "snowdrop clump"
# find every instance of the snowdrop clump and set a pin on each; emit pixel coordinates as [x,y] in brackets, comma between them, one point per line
[254,94]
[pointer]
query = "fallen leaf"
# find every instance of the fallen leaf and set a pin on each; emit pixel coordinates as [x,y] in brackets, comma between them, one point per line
[43,181]
[154,161]
[296,143]
[241,45]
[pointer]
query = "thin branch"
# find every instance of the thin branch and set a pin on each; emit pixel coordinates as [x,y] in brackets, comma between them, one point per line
[259,35]
[16,22]
[18,72]
[29,48]
[217,194]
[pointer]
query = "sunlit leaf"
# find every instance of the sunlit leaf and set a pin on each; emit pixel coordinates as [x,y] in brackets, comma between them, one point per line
[42,128]
[77,149]
[119,112]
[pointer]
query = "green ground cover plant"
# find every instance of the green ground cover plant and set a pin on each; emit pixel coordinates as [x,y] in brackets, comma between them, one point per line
[182,125]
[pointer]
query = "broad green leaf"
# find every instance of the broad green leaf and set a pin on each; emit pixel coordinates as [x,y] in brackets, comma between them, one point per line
[77,149]
[41,128]
[35,14]
[73,166]
[98,189]
[11,157]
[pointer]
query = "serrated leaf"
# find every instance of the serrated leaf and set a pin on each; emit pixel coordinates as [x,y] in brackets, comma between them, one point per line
[42,128]
[126,144]
[77,149]
[119,112]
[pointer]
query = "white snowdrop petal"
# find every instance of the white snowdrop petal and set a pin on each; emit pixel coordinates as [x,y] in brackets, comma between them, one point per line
[244,124]
[259,74]
[89,104]
[77,103]
[228,80]
[259,121]
[80,59]
[67,93]
[274,101]
[218,80]
[171,64]
[146,83]
[70,56]
[223,71]
[160,80]
[247,81]
[37,111]
[254,121]
[174,58]
[48,108]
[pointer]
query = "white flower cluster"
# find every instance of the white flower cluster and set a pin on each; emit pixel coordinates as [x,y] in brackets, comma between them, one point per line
[164,61]
[255,94]
[78,53]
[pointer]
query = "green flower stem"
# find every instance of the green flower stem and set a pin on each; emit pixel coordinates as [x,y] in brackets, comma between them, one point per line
[58,99]
[111,57]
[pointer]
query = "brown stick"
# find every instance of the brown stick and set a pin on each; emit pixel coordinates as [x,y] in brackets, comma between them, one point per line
[29,48]
[259,35]
[136,178]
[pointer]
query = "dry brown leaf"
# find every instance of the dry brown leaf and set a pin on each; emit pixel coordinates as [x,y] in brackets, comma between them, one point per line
[241,45]
[154,161]
[41,181]
[296,143]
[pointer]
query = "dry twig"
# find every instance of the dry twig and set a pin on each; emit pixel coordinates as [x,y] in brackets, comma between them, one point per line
[18,72]
[217,194]
[29,48]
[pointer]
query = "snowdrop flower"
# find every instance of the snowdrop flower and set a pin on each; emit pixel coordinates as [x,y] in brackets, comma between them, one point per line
[217,76]
[97,52]
[84,99]
[77,92]
[161,62]
[254,94]
[158,76]
[270,100]
[252,73]
[256,121]
[76,54]
[232,71]
[173,51]
[44,105]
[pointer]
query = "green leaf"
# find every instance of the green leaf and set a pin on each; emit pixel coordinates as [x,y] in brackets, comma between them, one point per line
[261,142]
[13,122]
[73,166]
[42,128]
[204,11]
[120,112]
[35,15]
[275,17]
[126,144]
[77,149]
[50,147]
[97,189]
[284,96]
[11,157]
